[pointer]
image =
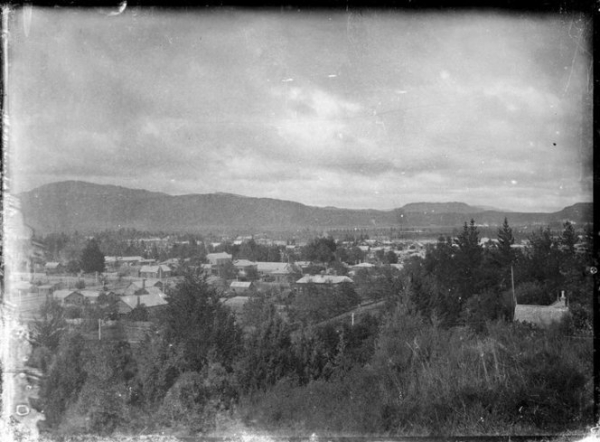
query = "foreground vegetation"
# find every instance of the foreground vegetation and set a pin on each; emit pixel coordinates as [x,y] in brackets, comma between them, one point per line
[442,357]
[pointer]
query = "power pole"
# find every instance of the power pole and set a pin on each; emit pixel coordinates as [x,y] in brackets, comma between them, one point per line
[512,279]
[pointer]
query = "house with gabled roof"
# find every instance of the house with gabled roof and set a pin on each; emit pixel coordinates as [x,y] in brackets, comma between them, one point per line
[239,287]
[542,315]
[90,296]
[323,283]
[73,295]
[155,272]
[139,286]
[303,265]
[281,272]
[324,279]
[152,300]
[76,297]
[69,297]
[244,264]
[171,262]
[219,259]
[131,260]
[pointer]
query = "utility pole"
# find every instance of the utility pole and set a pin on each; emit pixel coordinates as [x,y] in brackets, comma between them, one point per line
[512,280]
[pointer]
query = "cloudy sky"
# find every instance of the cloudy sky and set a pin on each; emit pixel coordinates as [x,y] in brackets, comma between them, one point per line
[372,110]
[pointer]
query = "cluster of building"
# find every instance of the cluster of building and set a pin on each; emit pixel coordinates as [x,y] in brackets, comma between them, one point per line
[133,281]
[148,293]
[30,295]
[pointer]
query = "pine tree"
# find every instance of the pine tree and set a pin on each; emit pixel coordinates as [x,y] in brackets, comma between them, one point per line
[468,259]
[505,241]
[198,323]
[268,356]
[92,259]
[569,238]
[65,378]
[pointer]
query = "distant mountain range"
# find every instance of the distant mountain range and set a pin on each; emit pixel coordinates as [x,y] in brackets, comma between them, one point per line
[75,205]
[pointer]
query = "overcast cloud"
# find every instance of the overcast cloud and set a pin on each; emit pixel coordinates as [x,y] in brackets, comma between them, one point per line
[371,110]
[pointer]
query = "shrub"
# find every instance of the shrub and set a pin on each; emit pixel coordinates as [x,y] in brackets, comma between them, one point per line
[534,293]
[424,379]
[196,399]
[139,313]
[344,404]
[185,400]
[105,396]
[73,312]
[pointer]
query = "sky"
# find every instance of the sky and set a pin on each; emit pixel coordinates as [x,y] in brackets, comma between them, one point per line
[354,110]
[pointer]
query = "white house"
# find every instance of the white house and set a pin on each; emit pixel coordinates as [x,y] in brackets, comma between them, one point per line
[542,315]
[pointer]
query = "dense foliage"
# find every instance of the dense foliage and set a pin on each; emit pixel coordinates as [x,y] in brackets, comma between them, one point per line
[439,355]
[92,259]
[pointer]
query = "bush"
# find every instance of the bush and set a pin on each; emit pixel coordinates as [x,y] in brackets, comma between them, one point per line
[534,293]
[73,312]
[105,397]
[424,379]
[185,400]
[196,399]
[479,309]
[345,404]
[139,313]
[582,317]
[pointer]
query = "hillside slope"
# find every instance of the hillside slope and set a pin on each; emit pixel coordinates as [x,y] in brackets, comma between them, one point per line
[74,205]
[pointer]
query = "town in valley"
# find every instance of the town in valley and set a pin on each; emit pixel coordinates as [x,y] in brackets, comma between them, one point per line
[297,224]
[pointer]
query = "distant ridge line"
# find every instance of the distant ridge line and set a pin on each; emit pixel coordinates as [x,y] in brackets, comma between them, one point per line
[86,207]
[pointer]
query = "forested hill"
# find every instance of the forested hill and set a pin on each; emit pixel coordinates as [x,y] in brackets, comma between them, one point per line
[74,205]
